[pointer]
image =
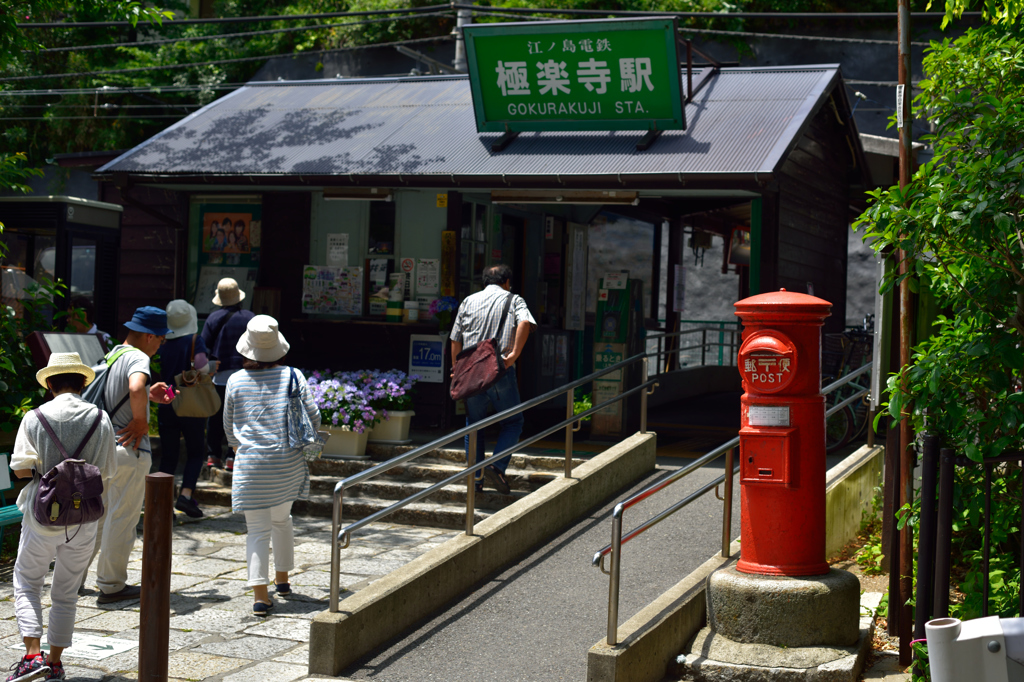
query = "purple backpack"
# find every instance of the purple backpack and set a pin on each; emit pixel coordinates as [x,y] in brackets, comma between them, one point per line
[70,493]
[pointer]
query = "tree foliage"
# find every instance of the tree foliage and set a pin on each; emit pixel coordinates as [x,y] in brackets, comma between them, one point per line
[959,224]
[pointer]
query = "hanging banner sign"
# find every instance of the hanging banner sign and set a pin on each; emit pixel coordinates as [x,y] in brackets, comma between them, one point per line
[619,74]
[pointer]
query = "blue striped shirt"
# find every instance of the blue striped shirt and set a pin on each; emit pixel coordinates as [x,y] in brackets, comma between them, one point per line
[267,471]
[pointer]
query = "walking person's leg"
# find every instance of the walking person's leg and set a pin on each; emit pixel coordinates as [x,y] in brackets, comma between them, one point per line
[282,537]
[123,498]
[215,433]
[192,430]
[476,410]
[504,396]
[169,426]
[35,552]
[258,524]
[71,563]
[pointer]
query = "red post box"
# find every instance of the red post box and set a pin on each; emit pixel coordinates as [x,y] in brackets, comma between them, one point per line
[782,435]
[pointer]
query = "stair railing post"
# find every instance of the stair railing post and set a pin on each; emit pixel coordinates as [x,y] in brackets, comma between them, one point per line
[727,509]
[471,482]
[569,411]
[613,582]
[643,396]
[339,492]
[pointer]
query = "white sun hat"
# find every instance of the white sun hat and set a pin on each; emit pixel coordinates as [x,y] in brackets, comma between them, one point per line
[181,318]
[64,363]
[228,293]
[262,341]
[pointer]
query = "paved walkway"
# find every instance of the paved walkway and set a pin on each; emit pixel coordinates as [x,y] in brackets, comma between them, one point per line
[214,635]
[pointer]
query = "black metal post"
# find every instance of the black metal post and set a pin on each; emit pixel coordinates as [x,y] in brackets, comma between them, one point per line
[944,533]
[892,467]
[926,540]
[986,547]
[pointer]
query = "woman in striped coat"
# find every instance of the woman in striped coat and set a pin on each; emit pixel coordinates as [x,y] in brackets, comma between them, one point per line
[269,475]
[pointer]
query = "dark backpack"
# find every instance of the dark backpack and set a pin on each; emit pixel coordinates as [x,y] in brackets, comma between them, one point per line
[96,391]
[71,492]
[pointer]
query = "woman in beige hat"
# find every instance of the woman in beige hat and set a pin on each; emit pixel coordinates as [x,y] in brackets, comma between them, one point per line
[75,423]
[182,345]
[221,332]
[269,475]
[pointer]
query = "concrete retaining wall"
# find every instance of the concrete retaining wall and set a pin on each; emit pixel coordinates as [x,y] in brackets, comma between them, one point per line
[851,487]
[651,640]
[391,605]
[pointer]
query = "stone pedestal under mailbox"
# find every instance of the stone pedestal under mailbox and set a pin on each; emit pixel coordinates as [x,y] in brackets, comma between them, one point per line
[779,628]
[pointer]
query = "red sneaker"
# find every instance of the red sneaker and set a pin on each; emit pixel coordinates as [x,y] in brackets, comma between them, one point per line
[230,464]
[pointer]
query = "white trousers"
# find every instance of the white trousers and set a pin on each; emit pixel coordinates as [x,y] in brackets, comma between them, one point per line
[123,496]
[264,526]
[35,552]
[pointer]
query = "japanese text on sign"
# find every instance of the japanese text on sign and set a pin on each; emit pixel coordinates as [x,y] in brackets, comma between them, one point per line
[576,75]
[767,369]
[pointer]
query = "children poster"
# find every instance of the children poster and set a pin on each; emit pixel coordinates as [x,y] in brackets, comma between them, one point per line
[332,291]
[227,232]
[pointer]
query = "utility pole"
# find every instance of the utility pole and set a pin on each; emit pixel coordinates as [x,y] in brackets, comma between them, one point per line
[906,538]
[463,18]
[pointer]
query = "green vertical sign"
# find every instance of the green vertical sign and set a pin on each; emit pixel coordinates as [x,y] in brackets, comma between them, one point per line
[620,74]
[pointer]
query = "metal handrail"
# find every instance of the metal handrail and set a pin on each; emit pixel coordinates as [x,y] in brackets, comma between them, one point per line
[339,535]
[660,337]
[618,539]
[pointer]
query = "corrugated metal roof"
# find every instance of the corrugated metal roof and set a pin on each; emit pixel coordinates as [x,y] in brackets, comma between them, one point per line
[741,122]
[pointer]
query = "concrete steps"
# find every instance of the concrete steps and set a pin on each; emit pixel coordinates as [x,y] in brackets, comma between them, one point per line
[444,508]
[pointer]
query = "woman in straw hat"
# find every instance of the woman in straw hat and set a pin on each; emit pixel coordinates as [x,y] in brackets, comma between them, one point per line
[268,475]
[72,421]
[183,348]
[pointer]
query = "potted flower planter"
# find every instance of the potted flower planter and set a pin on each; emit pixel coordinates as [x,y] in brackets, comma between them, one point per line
[346,443]
[394,429]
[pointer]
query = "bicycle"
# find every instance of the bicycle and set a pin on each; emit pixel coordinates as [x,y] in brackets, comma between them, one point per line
[841,354]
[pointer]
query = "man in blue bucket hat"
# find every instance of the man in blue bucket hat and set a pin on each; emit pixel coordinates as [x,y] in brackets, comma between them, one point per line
[127,397]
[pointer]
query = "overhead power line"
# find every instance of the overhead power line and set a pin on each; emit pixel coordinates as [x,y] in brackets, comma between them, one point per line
[118,90]
[237,20]
[717,15]
[245,34]
[88,118]
[215,62]
[788,36]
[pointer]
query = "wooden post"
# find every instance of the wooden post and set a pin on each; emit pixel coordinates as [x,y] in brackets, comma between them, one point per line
[155,607]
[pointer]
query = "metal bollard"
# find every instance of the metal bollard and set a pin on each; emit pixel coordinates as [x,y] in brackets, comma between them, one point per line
[155,608]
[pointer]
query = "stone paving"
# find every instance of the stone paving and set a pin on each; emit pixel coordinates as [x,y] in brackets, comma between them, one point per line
[214,635]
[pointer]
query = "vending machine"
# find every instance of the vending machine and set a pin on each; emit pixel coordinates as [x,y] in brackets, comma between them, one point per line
[618,334]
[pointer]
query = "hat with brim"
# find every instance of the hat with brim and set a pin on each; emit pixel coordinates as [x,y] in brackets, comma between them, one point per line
[64,363]
[228,293]
[148,320]
[262,341]
[182,319]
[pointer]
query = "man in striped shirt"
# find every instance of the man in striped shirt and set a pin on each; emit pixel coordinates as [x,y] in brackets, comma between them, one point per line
[478,319]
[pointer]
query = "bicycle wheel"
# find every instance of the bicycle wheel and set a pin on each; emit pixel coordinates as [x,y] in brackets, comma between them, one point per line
[839,429]
[861,420]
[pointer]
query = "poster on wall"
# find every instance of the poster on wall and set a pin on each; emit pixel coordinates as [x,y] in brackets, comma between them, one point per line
[223,234]
[427,276]
[330,290]
[206,287]
[337,249]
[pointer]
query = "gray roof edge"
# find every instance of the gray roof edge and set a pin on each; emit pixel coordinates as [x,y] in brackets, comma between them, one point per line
[139,147]
[802,118]
[462,76]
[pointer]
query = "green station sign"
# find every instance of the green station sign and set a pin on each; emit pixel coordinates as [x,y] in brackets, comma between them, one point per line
[620,74]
